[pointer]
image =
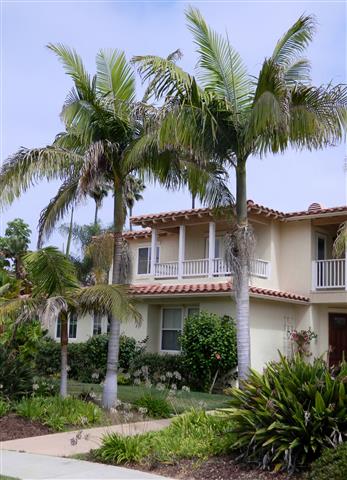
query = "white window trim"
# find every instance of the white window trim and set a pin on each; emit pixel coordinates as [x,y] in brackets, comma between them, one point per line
[137,259]
[68,329]
[101,325]
[184,311]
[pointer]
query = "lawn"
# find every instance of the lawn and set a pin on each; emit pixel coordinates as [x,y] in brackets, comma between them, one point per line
[180,402]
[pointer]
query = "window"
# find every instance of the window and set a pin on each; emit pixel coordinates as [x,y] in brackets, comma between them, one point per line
[171,329]
[58,328]
[97,324]
[144,260]
[192,311]
[73,325]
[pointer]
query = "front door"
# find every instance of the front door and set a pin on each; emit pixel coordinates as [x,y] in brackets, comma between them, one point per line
[337,337]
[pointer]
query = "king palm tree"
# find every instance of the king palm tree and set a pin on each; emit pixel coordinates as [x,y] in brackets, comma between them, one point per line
[109,136]
[226,114]
[56,293]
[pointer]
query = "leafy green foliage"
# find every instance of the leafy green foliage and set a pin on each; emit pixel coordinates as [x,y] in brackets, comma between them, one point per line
[192,435]
[87,360]
[285,417]
[25,338]
[331,465]
[60,413]
[5,406]
[208,345]
[45,387]
[15,375]
[157,407]
[14,244]
[159,364]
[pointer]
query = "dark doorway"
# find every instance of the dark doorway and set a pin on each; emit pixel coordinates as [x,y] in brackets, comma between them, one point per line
[337,337]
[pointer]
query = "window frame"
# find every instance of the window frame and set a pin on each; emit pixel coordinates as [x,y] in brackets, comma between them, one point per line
[149,248]
[101,324]
[184,314]
[58,321]
[324,237]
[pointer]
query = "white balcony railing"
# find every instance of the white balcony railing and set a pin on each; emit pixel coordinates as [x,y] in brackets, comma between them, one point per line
[200,268]
[329,274]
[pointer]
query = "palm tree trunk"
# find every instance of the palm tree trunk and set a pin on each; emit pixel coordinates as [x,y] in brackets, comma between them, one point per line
[130,215]
[69,237]
[110,386]
[64,338]
[193,200]
[242,282]
[96,213]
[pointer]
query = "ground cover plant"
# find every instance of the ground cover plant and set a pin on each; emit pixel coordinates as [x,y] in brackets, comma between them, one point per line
[192,435]
[60,413]
[285,417]
[332,464]
[15,375]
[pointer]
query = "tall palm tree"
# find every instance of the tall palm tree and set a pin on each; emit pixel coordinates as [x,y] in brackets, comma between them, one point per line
[56,293]
[132,191]
[108,137]
[229,115]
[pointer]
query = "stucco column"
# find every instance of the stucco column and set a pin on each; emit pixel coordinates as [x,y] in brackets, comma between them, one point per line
[181,249]
[211,246]
[153,250]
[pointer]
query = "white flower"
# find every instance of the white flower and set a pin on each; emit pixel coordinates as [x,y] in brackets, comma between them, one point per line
[127,376]
[36,386]
[1,386]
[160,386]
[68,368]
[144,370]
[148,384]
[137,381]
[177,375]
[84,420]
[143,410]
[113,411]
[117,403]
[163,378]
[95,376]
[185,388]
[174,386]
[137,373]
[169,374]
[127,406]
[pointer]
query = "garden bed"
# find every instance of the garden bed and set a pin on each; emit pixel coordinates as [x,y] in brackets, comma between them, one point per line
[13,426]
[214,468]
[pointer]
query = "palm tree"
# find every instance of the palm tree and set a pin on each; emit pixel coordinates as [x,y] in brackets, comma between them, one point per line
[56,293]
[228,115]
[108,137]
[132,191]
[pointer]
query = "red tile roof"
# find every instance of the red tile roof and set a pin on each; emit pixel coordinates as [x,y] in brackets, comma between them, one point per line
[197,288]
[253,208]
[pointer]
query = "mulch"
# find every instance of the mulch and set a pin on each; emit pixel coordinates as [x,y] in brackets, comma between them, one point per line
[12,427]
[215,468]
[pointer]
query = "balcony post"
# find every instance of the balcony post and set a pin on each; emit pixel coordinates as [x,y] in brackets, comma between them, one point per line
[153,250]
[211,247]
[346,245]
[181,249]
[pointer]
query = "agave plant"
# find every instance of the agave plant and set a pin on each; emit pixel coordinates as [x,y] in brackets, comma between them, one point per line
[286,416]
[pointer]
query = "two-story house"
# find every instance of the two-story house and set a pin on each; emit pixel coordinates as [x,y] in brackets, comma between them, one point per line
[178,268]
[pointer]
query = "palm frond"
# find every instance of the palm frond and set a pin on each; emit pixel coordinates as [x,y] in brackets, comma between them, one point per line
[340,243]
[298,71]
[26,168]
[52,273]
[115,77]
[294,42]
[222,69]
[107,300]
[57,208]
[51,308]
[20,309]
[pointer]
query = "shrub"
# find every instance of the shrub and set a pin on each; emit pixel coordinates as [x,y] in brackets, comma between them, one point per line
[59,413]
[209,347]
[5,407]
[159,365]
[45,387]
[331,465]
[15,375]
[286,416]
[192,435]
[157,407]
[87,360]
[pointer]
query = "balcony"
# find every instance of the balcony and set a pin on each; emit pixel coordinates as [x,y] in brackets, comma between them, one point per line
[203,267]
[329,274]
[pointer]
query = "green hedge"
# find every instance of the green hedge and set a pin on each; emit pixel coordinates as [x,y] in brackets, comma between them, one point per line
[87,360]
[331,465]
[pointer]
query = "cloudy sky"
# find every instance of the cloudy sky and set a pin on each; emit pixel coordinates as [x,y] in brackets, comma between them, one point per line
[34,85]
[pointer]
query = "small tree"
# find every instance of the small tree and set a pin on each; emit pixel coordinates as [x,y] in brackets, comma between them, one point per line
[209,347]
[14,244]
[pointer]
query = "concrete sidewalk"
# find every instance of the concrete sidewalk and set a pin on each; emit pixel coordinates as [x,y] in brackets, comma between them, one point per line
[26,466]
[60,445]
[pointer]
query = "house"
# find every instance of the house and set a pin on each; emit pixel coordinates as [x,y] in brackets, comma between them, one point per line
[178,269]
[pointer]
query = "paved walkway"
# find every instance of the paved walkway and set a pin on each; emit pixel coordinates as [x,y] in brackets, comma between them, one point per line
[27,466]
[60,445]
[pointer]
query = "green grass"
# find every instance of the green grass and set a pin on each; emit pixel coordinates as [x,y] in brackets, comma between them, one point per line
[181,402]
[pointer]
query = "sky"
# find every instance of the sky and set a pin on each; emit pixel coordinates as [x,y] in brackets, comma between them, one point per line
[34,86]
